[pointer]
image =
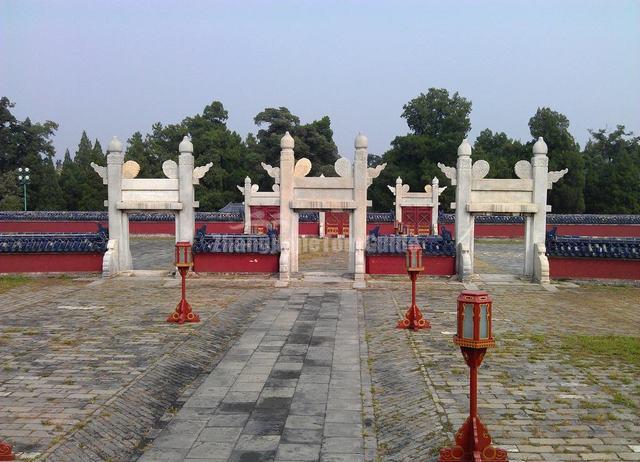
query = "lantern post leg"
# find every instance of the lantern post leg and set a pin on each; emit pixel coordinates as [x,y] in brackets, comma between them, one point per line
[413,318]
[6,451]
[183,312]
[473,442]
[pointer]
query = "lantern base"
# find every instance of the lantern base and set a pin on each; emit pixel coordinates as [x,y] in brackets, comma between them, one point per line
[414,320]
[183,314]
[6,451]
[473,444]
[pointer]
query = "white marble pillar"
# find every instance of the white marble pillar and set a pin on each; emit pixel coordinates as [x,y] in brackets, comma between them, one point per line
[186,221]
[435,197]
[321,220]
[286,214]
[540,169]
[247,207]
[358,229]
[464,220]
[398,203]
[117,221]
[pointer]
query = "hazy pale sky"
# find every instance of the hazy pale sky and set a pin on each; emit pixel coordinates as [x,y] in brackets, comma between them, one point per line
[116,67]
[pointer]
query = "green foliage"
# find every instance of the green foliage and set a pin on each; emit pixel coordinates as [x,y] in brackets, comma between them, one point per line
[439,123]
[612,172]
[603,178]
[500,151]
[313,141]
[25,144]
[567,195]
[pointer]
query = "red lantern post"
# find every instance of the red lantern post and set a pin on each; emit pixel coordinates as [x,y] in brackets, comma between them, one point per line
[474,336]
[6,452]
[413,317]
[183,262]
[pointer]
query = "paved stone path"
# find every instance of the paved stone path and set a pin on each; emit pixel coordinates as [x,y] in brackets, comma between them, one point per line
[152,252]
[499,256]
[289,389]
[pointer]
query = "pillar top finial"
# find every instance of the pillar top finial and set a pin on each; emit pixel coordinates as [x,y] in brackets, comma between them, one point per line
[398,180]
[540,147]
[287,141]
[186,146]
[435,180]
[114,145]
[465,148]
[361,141]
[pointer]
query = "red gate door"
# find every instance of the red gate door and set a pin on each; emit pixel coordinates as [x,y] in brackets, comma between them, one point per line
[336,223]
[264,217]
[417,219]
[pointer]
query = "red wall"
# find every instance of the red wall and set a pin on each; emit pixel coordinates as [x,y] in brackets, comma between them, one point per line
[385,228]
[593,268]
[235,263]
[395,264]
[516,230]
[309,229]
[50,226]
[50,262]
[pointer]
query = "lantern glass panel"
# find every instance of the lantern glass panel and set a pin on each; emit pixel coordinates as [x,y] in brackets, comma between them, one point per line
[467,321]
[484,323]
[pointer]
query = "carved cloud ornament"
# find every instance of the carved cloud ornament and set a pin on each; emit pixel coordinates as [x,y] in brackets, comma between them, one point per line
[449,172]
[480,169]
[374,172]
[130,169]
[302,168]
[523,170]
[199,172]
[343,167]
[170,169]
[273,172]
[101,171]
[552,177]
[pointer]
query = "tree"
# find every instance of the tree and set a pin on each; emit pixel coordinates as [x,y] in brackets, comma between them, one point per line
[439,123]
[436,114]
[313,141]
[500,151]
[567,195]
[69,182]
[27,144]
[612,172]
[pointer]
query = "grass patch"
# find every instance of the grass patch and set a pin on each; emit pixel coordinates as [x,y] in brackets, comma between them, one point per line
[619,398]
[608,347]
[9,282]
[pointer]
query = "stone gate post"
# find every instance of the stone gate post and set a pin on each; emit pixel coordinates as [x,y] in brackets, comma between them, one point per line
[118,220]
[247,207]
[186,216]
[359,229]
[398,195]
[286,214]
[535,244]
[464,220]
[435,196]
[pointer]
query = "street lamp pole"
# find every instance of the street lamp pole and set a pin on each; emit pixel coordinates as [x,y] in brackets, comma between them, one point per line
[24,178]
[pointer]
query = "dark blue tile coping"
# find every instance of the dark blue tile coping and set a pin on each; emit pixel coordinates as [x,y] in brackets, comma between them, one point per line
[310,217]
[235,243]
[55,242]
[391,244]
[627,248]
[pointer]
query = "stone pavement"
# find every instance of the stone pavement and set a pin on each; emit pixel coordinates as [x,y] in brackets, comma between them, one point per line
[289,389]
[90,371]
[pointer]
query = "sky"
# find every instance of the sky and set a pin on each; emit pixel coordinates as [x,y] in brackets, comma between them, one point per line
[116,67]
